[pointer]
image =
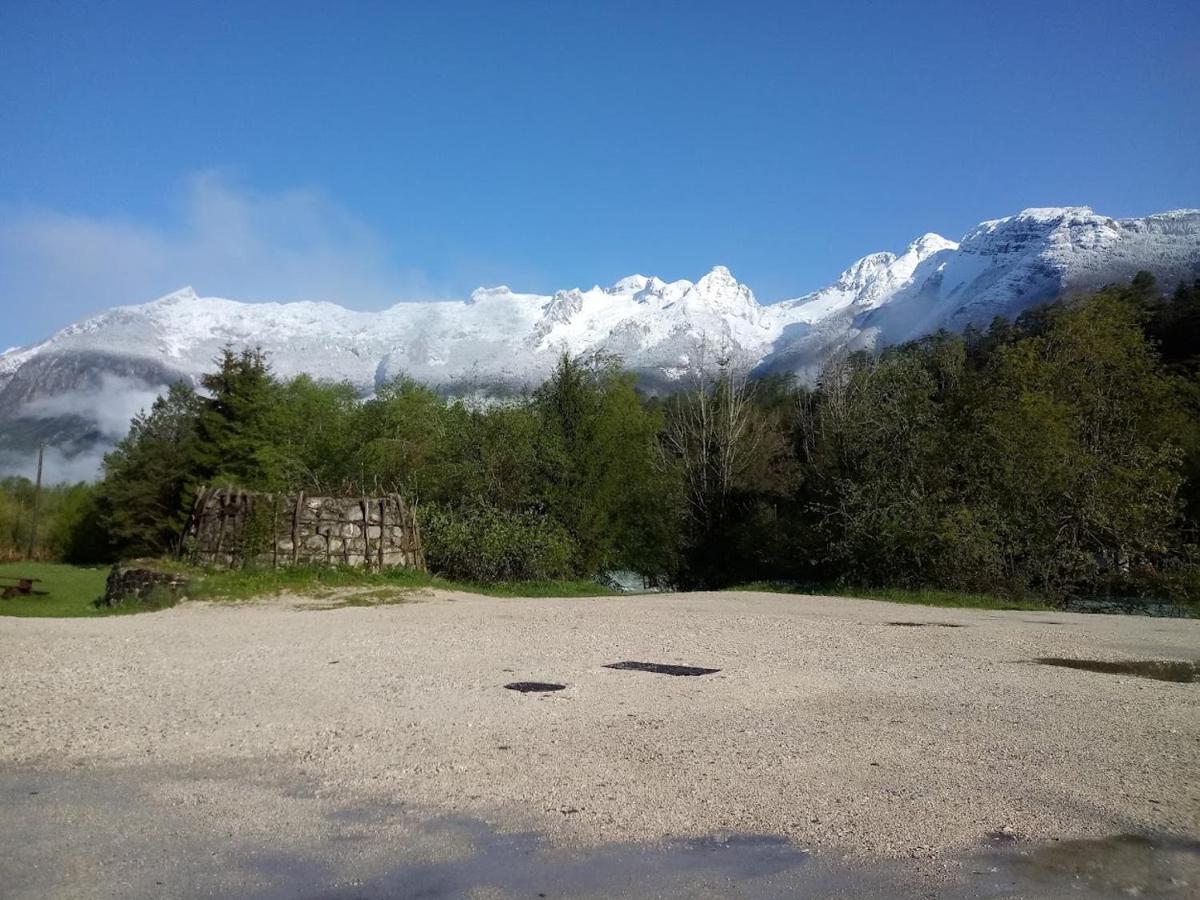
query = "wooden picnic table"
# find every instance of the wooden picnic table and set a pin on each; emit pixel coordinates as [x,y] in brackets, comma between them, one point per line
[22,588]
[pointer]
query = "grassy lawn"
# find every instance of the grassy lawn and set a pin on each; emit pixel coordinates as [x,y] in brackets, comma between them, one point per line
[72,590]
[923,597]
[319,581]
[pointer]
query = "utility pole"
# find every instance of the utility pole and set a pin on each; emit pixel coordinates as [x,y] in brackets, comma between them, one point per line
[37,499]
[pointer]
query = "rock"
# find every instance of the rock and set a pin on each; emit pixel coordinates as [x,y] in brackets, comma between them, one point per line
[135,580]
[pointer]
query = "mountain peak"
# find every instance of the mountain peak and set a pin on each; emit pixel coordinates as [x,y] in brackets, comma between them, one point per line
[631,284]
[484,293]
[717,277]
[1055,213]
[930,243]
[865,269]
[721,289]
[185,294]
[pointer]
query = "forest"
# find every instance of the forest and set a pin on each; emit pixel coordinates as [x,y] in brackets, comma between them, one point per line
[1055,456]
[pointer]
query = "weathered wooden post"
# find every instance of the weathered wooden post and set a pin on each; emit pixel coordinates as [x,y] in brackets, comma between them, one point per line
[37,501]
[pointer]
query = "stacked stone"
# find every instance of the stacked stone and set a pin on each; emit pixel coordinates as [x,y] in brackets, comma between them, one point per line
[132,581]
[231,527]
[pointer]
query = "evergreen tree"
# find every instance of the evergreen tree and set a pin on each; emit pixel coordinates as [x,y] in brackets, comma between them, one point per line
[233,426]
[149,478]
[604,487]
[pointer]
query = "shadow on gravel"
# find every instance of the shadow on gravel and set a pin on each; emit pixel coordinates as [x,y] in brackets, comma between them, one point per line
[1161,670]
[1120,866]
[754,866]
[923,625]
[150,833]
[660,668]
[523,865]
[534,687]
[138,834]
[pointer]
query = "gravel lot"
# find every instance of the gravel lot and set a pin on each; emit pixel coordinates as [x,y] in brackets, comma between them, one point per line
[212,747]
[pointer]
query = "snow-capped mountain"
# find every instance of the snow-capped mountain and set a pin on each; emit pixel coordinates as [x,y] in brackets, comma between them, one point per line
[502,339]
[1000,267]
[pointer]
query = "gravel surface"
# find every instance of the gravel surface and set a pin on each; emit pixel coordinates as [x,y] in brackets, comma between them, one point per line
[277,724]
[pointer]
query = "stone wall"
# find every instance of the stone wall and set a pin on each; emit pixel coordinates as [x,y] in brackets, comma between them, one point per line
[231,528]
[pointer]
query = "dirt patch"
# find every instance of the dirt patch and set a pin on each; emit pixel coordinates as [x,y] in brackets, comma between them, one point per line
[340,599]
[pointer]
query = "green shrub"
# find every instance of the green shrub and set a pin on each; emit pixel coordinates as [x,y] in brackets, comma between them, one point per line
[1173,579]
[158,597]
[482,543]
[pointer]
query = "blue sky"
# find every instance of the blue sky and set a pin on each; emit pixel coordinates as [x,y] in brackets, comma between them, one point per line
[375,152]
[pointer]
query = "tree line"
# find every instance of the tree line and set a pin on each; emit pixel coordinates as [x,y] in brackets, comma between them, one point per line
[1057,455]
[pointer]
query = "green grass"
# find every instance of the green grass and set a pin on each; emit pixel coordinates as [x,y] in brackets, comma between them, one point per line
[919,597]
[581,588]
[323,582]
[72,590]
[246,584]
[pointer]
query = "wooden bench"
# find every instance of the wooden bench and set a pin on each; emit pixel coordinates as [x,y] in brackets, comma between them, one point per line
[22,588]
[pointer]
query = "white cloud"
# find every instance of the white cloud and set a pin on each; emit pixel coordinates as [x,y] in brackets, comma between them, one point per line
[57,467]
[110,405]
[223,240]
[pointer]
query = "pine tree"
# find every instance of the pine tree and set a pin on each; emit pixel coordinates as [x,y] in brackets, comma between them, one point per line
[232,426]
[149,478]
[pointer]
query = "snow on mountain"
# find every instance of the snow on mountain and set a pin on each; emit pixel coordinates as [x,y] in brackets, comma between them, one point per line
[500,338]
[871,281]
[1000,267]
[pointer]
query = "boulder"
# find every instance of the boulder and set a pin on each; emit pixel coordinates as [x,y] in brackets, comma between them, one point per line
[130,582]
